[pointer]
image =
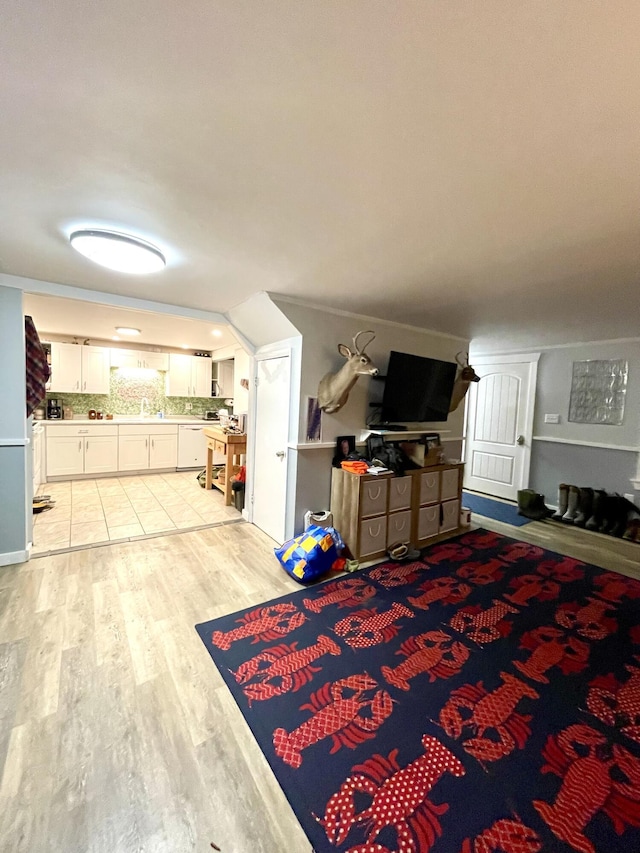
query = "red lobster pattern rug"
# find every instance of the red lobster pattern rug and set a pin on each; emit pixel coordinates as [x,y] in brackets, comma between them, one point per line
[485,699]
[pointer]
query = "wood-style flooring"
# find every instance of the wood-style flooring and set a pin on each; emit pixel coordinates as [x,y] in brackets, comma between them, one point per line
[117,733]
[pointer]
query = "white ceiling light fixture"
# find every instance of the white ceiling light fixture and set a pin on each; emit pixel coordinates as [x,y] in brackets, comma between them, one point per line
[216,332]
[119,252]
[126,330]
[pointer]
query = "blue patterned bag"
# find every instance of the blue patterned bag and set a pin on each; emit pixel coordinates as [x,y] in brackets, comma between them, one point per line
[311,554]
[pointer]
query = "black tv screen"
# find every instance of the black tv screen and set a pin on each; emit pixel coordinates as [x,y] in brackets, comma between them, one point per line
[417,388]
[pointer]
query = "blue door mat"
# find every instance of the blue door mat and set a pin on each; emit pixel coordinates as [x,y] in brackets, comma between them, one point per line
[489,508]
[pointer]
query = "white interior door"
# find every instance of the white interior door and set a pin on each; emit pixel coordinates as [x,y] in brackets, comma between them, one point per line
[500,424]
[272,435]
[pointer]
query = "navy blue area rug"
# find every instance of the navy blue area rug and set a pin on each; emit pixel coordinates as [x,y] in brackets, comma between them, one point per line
[484,698]
[497,510]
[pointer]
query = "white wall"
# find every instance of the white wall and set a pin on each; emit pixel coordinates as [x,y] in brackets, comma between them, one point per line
[321,332]
[15,484]
[595,455]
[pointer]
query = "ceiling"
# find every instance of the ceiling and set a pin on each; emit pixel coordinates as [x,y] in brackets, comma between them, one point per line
[75,318]
[470,168]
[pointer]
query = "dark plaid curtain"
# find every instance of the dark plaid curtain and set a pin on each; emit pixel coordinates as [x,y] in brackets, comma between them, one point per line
[38,371]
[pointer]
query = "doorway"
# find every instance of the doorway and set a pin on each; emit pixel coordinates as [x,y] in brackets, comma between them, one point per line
[270,460]
[499,424]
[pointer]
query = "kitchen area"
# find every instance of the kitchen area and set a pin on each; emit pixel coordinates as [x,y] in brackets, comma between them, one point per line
[120,440]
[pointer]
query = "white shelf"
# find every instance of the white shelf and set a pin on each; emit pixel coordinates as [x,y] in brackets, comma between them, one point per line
[403,433]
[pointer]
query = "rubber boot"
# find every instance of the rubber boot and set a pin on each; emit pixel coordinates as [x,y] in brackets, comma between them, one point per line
[531,505]
[573,505]
[609,513]
[586,507]
[597,512]
[563,500]
[620,516]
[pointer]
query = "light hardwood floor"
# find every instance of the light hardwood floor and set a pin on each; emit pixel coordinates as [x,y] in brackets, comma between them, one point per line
[117,733]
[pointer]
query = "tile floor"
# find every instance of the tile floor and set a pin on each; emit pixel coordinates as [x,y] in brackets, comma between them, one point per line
[88,512]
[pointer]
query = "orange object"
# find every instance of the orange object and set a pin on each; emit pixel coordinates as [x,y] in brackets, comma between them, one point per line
[355,466]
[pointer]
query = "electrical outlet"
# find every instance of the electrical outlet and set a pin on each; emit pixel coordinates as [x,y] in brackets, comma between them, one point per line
[188,407]
[552,419]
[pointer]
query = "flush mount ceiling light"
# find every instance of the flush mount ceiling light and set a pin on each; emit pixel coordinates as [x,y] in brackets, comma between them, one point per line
[126,330]
[118,252]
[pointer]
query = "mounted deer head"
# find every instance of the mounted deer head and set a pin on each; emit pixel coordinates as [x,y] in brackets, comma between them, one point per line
[334,388]
[465,376]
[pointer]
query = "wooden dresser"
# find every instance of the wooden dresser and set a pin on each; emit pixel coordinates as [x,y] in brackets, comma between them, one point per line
[233,446]
[372,511]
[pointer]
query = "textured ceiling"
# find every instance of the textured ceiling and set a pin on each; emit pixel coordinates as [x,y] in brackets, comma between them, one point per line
[466,167]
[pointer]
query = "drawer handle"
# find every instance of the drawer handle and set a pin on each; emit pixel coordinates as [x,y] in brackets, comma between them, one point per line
[378,492]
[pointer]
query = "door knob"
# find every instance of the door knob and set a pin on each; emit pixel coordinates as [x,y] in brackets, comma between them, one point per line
[280,454]
[520,440]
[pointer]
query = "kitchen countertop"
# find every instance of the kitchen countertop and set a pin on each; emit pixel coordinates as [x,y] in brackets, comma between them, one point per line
[129,419]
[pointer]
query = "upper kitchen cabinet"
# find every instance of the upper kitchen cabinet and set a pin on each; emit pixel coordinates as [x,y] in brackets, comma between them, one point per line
[188,376]
[139,358]
[225,377]
[79,369]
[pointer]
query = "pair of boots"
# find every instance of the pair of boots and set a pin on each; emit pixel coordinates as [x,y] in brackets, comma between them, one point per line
[578,505]
[531,505]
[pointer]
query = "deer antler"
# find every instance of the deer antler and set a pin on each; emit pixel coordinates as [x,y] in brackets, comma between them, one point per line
[357,335]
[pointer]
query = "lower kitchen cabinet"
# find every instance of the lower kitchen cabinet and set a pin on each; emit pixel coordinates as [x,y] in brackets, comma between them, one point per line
[372,511]
[81,450]
[142,447]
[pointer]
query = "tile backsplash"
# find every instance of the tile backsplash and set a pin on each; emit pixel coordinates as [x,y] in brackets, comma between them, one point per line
[126,394]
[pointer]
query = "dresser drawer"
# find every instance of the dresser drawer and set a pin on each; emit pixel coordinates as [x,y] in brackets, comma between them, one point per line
[400,493]
[428,521]
[399,527]
[429,487]
[450,516]
[373,536]
[374,497]
[450,484]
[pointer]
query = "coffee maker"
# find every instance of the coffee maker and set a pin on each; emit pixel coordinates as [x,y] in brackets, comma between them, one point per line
[54,409]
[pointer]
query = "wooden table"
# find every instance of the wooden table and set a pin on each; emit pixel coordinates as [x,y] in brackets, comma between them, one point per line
[232,446]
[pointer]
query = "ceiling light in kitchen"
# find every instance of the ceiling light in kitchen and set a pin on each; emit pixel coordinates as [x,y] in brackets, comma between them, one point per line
[119,252]
[125,330]
[216,332]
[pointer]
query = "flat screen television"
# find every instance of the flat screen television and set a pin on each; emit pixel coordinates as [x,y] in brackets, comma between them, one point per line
[416,388]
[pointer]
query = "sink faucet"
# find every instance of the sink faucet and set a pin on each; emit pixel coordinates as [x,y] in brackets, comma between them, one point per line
[144,407]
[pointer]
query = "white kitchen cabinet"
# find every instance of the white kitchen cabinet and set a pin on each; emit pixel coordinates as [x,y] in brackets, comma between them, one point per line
[163,451]
[100,454]
[79,369]
[225,378]
[188,376]
[142,447]
[81,450]
[139,358]
[133,452]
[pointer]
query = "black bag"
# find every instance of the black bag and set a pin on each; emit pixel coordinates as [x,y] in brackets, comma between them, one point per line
[387,455]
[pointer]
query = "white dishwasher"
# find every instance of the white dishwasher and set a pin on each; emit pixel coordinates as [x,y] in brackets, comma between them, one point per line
[192,447]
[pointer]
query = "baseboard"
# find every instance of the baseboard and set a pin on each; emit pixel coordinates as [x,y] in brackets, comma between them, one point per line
[11,557]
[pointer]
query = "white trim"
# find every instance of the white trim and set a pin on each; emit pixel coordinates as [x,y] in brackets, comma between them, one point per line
[331,445]
[52,288]
[340,312]
[558,346]
[11,557]
[14,442]
[515,358]
[600,445]
[532,359]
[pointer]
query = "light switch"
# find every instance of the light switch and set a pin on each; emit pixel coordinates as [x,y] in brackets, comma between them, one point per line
[552,419]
